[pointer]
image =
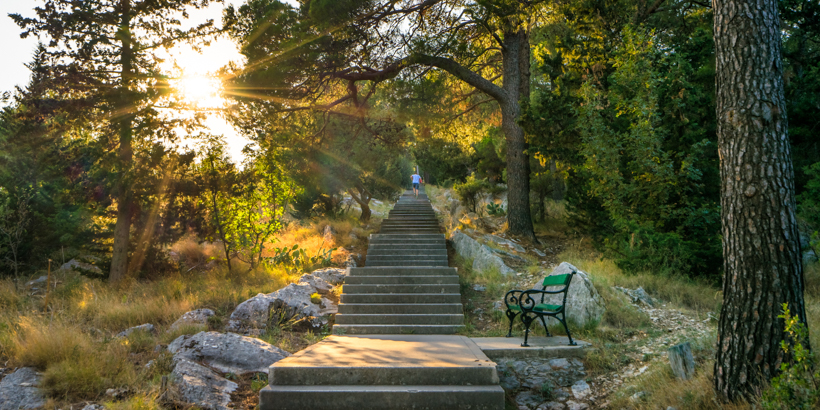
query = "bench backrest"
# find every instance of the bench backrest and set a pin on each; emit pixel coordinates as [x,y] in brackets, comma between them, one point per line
[557,280]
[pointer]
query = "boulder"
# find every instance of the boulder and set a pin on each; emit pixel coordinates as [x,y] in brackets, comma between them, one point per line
[76,265]
[149,328]
[505,242]
[319,284]
[201,386]
[483,257]
[334,276]
[584,304]
[638,295]
[40,280]
[227,352]
[194,317]
[19,390]
[289,303]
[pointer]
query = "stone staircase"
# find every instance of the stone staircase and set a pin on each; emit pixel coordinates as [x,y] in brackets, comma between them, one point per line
[394,345]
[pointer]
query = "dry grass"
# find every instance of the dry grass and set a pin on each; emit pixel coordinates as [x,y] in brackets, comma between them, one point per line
[678,291]
[662,390]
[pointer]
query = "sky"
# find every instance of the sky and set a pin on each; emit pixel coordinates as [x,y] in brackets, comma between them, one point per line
[17,52]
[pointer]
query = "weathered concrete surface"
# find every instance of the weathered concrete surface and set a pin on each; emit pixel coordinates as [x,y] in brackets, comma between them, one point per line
[510,347]
[227,352]
[387,360]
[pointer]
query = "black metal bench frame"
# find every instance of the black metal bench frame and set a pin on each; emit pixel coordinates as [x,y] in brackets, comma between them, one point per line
[523,302]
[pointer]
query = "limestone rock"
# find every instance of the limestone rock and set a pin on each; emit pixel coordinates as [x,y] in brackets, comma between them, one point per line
[527,400]
[227,352]
[76,265]
[19,390]
[334,276]
[41,279]
[483,257]
[194,317]
[94,406]
[552,405]
[576,406]
[352,260]
[147,327]
[505,242]
[201,386]
[638,295]
[289,303]
[328,235]
[581,389]
[584,304]
[319,284]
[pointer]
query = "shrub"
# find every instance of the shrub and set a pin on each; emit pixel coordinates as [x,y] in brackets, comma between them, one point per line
[469,191]
[798,385]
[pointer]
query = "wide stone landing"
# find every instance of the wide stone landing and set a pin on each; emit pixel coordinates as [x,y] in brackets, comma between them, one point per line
[385,372]
[545,347]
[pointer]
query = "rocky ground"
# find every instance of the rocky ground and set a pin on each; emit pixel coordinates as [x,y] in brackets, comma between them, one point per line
[558,384]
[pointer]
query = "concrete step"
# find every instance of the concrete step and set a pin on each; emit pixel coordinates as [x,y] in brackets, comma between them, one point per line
[443,288]
[407,246]
[396,271]
[408,229]
[407,240]
[408,258]
[401,280]
[397,329]
[421,263]
[347,397]
[376,236]
[401,308]
[406,298]
[398,319]
[440,251]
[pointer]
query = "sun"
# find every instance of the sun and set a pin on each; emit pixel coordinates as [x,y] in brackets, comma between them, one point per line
[201,90]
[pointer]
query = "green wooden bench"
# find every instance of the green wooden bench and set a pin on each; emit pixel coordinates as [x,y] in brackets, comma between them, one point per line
[530,306]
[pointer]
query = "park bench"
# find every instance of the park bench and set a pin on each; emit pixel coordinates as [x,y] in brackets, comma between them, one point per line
[530,306]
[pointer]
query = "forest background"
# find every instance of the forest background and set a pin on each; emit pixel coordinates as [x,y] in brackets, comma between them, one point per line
[616,110]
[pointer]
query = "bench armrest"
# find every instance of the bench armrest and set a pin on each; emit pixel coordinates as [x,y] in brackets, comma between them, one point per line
[512,297]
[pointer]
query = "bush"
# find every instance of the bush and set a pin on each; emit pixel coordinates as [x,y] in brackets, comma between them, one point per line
[469,191]
[797,385]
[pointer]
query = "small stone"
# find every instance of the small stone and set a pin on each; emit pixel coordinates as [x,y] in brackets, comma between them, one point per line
[638,396]
[194,317]
[576,406]
[527,400]
[559,363]
[94,406]
[149,328]
[581,389]
[479,288]
[552,405]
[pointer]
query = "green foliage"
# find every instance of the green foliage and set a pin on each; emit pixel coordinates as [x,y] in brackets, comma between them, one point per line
[798,384]
[808,202]
[495,209]
[470,190]
[298,258]
[246,206]
[647,178]
[315,298]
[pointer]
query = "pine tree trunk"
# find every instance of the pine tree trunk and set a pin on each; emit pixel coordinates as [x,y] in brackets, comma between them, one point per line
[516,85]
[761,252]
[125,199]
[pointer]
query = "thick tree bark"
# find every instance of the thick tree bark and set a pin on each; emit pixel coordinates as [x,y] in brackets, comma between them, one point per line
[125,198]
[517,89]
[761,251]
